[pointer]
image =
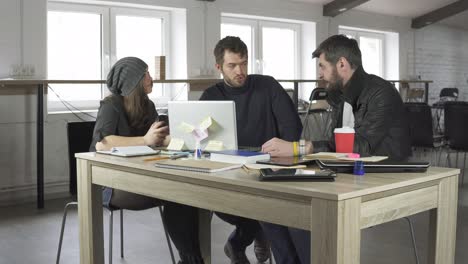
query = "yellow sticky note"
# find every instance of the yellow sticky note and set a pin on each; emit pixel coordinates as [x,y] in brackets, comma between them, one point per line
[206,123]
[186,128]
[176,144]
[214,145]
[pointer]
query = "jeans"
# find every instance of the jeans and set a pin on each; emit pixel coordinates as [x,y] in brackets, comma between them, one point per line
[245,232]
[289,245]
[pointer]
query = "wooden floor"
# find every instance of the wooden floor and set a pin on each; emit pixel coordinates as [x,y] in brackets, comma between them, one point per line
[28,235]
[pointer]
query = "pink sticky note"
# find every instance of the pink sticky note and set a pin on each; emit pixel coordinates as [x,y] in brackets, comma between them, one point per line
[199,134]
[353,155]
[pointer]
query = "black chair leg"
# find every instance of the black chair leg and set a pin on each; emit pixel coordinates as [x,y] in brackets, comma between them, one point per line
[167,235]
[413,239]
[462,171]
[121,235]
[111,229]
[64,219]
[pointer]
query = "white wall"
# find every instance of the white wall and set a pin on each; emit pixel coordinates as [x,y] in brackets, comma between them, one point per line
[10,28]
[440,53]
[17,112]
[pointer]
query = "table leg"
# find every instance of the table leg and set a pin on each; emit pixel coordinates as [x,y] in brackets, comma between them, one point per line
[443,224]
[40,146]
[336,231]
[426,92]
[90,216]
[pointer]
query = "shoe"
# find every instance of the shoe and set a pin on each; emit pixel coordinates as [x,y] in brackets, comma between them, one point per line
[236,257]
[262,248]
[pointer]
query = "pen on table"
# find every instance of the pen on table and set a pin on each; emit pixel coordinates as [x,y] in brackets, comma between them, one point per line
[173,157]
[181,155]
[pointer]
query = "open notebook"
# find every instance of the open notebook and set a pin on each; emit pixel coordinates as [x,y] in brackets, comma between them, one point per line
[130,151]
[206,166]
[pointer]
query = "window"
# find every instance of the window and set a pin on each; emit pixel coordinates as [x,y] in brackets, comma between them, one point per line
[273,45]
[85,41]
[372,49]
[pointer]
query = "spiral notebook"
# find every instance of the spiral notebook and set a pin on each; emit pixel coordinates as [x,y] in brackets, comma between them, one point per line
[206,166]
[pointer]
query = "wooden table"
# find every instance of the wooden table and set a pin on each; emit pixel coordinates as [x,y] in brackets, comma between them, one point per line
[334,211]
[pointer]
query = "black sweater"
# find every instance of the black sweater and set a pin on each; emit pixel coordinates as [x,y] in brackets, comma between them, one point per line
[263,110]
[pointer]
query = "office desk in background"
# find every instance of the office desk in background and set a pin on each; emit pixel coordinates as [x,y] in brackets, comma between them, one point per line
[37,85]
[334,211]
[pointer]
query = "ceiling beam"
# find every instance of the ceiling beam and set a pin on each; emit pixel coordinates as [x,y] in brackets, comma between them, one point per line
[337,7]
[439,14]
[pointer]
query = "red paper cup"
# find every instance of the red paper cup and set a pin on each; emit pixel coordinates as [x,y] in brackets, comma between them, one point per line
[344,140]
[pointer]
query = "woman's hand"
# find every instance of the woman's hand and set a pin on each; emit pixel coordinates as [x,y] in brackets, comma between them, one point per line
[156,134]
[278,148]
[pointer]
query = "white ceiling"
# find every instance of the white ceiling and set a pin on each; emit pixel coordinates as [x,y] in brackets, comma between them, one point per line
[406,8]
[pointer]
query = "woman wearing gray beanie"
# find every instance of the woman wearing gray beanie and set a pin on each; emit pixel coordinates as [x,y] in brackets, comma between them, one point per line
[127,118]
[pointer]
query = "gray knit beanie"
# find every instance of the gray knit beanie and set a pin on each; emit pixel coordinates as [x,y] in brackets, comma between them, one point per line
[125,75]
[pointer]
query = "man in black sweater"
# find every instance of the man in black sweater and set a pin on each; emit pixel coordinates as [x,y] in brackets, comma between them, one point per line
[263,111]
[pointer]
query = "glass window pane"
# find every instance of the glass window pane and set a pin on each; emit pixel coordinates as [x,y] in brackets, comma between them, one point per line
[244,32]
[74,52]
[371,49]
[279,48]
[140,37]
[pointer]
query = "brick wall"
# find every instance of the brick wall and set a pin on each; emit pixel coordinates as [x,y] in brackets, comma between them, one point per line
[442,56]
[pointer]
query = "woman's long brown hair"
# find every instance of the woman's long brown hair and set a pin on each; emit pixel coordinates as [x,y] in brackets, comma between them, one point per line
[136,106]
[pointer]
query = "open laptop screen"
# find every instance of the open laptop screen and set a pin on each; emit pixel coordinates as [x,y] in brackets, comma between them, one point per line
[223,116]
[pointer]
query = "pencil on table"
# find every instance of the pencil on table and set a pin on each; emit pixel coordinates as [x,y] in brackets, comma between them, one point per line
[157,158]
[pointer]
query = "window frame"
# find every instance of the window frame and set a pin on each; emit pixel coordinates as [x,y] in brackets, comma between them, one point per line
[253,64]
[369,34]
[56,106]
[108,44]
[257,25]
[296,28]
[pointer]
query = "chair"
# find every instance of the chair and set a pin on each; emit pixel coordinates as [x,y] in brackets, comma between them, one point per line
[319,130]
[318,94]
[409,94]
[79,135]
[456,131]
[421,129]
[446,95]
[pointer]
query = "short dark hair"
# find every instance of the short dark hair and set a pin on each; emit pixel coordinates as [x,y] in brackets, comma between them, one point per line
[233,44]
[338,46]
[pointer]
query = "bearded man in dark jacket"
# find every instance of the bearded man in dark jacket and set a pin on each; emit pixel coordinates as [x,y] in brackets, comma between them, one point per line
[380,124]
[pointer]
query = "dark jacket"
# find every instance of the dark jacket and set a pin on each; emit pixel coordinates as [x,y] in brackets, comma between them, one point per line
[380,122]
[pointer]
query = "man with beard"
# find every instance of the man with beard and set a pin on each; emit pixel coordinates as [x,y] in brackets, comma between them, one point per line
[263,111]
[380,125]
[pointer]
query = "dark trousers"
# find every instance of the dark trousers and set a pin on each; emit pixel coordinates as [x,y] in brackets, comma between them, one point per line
[245,232]
[181,221]
[289,245]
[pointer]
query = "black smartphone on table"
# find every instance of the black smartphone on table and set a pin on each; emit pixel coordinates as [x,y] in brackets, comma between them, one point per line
[296,174]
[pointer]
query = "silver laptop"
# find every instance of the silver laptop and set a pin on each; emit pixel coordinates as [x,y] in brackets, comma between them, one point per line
[222,113]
